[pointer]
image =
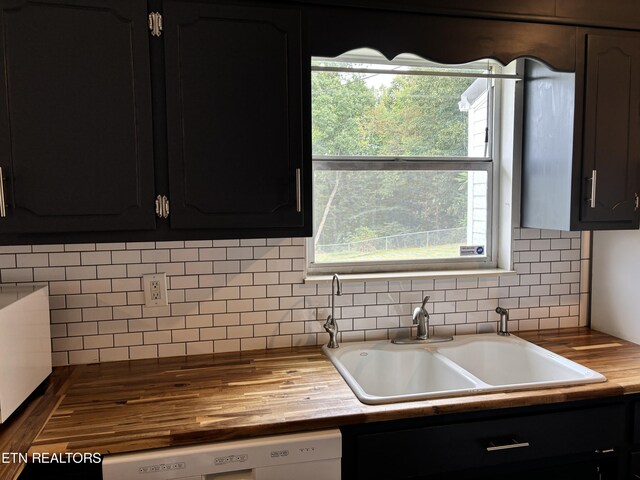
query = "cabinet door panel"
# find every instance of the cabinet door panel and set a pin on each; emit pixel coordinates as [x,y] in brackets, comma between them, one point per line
[233,115]
[75,116]
[611,129]
[467,446]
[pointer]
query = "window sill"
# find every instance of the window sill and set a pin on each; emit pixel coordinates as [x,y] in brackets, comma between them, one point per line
[390,276]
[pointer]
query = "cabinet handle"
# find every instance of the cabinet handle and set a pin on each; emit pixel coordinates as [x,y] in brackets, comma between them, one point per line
[298,192]
[606,450]
[594,180]
[492,447]
[3,207]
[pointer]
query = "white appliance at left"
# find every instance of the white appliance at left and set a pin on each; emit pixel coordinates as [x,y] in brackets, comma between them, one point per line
[25,344]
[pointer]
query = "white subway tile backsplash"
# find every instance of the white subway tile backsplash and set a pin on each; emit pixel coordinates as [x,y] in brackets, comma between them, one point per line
[528,302]
[230,295]
[47,248]
[142,324]
[77,357]
[221,346]
[82,328]
[226,266]
[199,348]
[453,295]
[211,254]
[143,351]
[550,256]
[64,259]
[66,343]
[172,350]
[114,354]
[114,326]
[66,316]
[213,333]
[49,274]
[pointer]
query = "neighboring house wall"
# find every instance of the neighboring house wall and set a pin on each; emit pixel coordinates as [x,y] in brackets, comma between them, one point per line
[249,294]
[476,106]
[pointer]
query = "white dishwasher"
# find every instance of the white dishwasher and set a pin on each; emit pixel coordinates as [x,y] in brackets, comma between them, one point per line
[298,456]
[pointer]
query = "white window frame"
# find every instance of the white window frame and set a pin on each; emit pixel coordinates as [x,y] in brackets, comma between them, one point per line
[490,164]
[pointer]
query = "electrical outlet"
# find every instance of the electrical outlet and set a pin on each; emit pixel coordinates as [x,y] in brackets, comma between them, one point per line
[155,289]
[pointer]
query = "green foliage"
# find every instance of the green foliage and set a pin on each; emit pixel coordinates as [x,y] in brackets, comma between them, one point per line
[340,103]
[412,116]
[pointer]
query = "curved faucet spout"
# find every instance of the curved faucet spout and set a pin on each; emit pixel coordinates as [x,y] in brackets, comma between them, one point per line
[335,291]
[331,326]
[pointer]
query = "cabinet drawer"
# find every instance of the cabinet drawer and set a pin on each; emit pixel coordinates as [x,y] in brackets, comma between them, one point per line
[437,449]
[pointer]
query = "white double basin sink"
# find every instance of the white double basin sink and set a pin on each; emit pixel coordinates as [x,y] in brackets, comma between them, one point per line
[382,372]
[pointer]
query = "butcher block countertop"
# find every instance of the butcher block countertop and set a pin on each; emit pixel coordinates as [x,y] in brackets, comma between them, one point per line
[143,404]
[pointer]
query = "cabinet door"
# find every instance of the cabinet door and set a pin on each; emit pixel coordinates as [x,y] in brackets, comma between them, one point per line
[75,116]
[233,116]
[485,444]
[611,141]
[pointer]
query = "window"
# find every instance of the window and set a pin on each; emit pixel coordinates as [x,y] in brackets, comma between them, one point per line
[403,164]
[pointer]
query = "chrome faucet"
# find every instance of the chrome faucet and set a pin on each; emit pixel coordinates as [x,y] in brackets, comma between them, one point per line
[503,328]
[331,326]
[421,318]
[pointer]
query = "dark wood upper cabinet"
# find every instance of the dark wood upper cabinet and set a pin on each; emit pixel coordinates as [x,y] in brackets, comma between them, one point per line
[622,13]
[75,116]
[611,138]
[234,115]
[97,117]
[581,156]
[449,40]
[89,136]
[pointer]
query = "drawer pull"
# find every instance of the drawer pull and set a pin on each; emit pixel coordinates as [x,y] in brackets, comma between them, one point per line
[606,450]
[492,447]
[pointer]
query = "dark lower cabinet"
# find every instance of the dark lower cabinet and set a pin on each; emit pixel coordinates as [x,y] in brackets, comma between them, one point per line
[75,116]
[577,443]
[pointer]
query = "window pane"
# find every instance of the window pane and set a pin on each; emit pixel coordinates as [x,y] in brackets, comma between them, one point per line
[392,215]
[394,114]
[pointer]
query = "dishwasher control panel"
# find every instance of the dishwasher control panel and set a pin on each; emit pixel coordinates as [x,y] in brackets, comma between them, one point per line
[309,455]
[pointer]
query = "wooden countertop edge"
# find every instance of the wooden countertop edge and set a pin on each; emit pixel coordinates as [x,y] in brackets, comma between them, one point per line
[340,407]
[24,425]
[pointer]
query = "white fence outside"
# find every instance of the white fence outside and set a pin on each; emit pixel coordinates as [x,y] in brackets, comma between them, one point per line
[424,239]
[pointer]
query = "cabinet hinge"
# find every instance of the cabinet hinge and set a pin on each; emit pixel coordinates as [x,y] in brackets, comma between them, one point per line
[162,206]
[155,24]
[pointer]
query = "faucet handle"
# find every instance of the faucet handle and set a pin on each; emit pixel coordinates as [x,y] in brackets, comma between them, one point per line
[424,301]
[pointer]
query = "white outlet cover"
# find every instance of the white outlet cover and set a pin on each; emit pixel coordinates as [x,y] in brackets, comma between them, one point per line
[159,300]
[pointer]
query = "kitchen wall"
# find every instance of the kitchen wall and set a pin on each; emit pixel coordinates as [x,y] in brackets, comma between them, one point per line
[236,295]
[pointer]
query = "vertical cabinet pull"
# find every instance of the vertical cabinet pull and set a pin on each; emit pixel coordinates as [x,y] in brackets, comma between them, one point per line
[298,192]
[3,207]
[594,180]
